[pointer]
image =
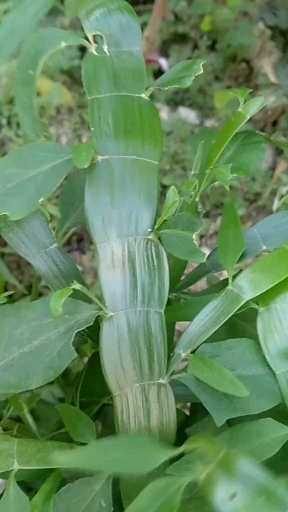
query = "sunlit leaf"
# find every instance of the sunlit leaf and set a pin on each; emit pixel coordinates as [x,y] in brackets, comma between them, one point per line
[222,98]
[57,301]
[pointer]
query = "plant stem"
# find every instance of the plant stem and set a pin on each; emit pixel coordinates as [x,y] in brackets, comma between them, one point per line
[152,30]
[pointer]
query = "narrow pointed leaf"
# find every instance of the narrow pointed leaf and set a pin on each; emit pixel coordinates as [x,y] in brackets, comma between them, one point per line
[260,439]
[252,282]
[231,243]
[92,494]
[28,453]
[35,347]
[71,204]
[119,455]
[244,358]
[222,98]
[32,238]
[187,310]
[170,205]
[43,501]
[9,278]
[181,75]
[57,301]
[162,495]
[216,375]
[80,427]
[14,499]
[29,175]
[272,331]
[39,47]
[270,233]
[20,22]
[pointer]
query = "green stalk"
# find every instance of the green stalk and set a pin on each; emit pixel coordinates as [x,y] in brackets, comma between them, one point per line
[121,203]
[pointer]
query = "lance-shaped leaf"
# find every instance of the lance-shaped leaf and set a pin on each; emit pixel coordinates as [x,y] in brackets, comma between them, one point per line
[71,203]
[231,241]
[32,238]
[128,454]
[14,499]
[20,22]
[272,331]
[244,359]
[253,281]
[92,494]
[39,47]
[181,75]
[260,438]
[29,175]
[270,233]
[28,453]
[162,495]
[43,501]
[80,427]
[8,277]
[35,347]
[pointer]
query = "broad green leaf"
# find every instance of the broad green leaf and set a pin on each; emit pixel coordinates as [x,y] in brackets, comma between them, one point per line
[272,331]
[244,358]
[222,98]
[9,278]
[41,45]
[270,233]
[252,282]
[118,455]
[20,22]
[35,347]
[187,310]
[91,392]
[260,438]
[182,245]
[234,483]
[162,495]
[32,238]
[31,454]
[30,174]
[57,301]
[277,140]
[83,154]
[14,499]
[71,204]
[181,75]
[223,175]
[244,153]
[170,206]
[231,243]
[91,494]
[232,126]
[80,427]
[43,501]
[216,375]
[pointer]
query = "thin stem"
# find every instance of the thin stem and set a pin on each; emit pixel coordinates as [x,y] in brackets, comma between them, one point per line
[152,30]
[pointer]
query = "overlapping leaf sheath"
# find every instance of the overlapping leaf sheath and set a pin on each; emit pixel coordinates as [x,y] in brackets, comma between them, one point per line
[121,205]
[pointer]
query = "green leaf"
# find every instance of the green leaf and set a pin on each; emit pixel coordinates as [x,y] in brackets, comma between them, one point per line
[244,153]
[30,334]
[253,106]
[162,495]
[91,392]
[182,245]
[20,22]
[92,494]
[231,242]
[216,375]
[223,175]
[244,358]
[39,47]
[83,154]
[119,455]
[235,483]
[270,233]
[43,501]
[31,174]
[78,425]
[181,75]
[252,282]
[170,206]
[272,331]
[71,204]
[14,499]
[57,301]
[259,439]
[186,311]
[32,238]
[9,278]
[222,98]
[18,454]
